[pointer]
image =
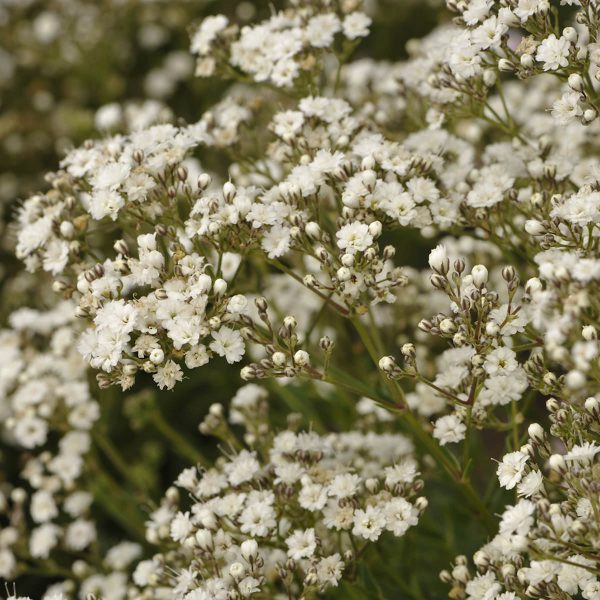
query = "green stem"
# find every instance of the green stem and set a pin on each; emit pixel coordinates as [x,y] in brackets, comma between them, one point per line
[120,464]
[426,441]
[180,444]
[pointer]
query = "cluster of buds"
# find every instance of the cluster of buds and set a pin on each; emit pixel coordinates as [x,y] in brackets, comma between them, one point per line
[284,357]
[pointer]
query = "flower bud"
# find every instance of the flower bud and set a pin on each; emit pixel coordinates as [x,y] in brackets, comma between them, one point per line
[481,559]
[290,323]
[387,364]
[229,191]
[237,570]
[588,332]
[408,350]
[347,260]
[575,82]
[593,406]
[369,178]
[204,181]
[375,229]
[570,34]
[447,326]
[204,539]
[279,359]
[533,285]
[506,66]
[249,550]
[157,356]
[526,61]
[219,287]
[557,463]
[67,229]
[536,433]
[301,358]
[313,230]
[344,274]
[480,275]
[247,373]
[438,259]
[489,78]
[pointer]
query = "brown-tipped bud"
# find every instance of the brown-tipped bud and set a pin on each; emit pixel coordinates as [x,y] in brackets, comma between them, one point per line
[290,323]
[593,406]
[182,173]
[459,266]
[204,181]
[536,433]
[481,560]
[388,364]
[261,304]
[557,463]
[425,325]
[103,381]
[421,503]
[438,282]
[121,247]
[508,273]
[326,344]
[408,351]
[82,312]
[445,576]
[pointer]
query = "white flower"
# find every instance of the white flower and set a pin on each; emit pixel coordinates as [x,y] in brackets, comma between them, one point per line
[168,375]
[527,8]
[354,237]
[344,485]
[438,258]
[400,515]
[553,52]
[449,430]
[228,343]
[43,507]
[571,578]
[583,452]
[501,361]
[43,539]
[181,527]
[531,484]
[518,518]
[301,544]
[356,25]
[369,523]
[321,29]
[329,570]
[567,107]
[242,468]
[207,33]
[510,470]
[276,241]
[483,587]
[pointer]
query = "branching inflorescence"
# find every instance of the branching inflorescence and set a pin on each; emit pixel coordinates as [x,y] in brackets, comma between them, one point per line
[295,263]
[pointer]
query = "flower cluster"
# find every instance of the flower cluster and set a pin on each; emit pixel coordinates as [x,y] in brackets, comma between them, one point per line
[286,231]
[284,50]
[547,542]
[291,511]
[47,413]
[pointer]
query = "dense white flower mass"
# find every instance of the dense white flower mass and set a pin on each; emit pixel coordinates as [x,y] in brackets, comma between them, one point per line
[240,531]
[401,260]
